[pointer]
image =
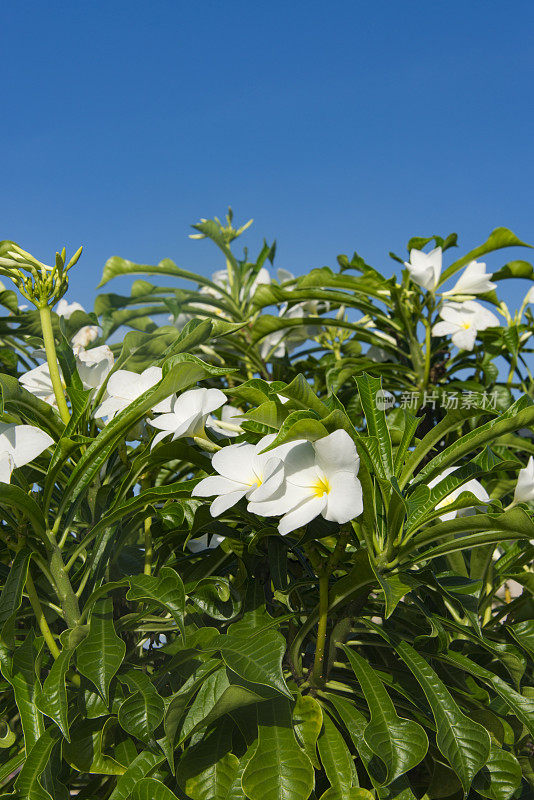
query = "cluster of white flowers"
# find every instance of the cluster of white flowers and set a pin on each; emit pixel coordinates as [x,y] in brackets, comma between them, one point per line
[297,481]
[93,367]
[460,320]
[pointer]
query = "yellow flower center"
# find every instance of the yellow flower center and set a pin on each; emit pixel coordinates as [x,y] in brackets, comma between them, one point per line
[466,325]
[321,487]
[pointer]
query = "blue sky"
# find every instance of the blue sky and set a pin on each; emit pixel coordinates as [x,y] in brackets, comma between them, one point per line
[337,126]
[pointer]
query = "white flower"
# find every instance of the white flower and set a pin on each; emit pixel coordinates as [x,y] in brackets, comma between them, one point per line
[529,297]
[319,478]
[20,444]
[202,542]
[244,471]
[124,387]
[473,486]
[39,383]
[86,334]
[524,490]
[230,415]
[64,309]
[473,280]
[94,365]
[425,268]
[463,321]
[188,414]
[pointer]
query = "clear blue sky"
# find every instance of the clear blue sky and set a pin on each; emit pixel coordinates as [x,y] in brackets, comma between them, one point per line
[336,125]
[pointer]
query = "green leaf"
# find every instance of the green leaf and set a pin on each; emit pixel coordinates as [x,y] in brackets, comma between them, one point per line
[166,590]
[307,723]
[141,712]
[464,743]
[255,656]
[14,497]
[152,789]
[20,401]
[501,776]
[210,771]
[521,706]
[336,760]
[101,653]
[368,388]
[27,783]
[514,269]
[11,596]
[279,769]
[400,743]
[18,669]
[499,238]
[477,439]
[85,751]
[144,763]
[52,698]
[301,393]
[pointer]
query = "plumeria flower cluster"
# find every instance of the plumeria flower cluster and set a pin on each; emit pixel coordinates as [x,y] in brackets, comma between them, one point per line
[461,317]
[93,367]
[296,481]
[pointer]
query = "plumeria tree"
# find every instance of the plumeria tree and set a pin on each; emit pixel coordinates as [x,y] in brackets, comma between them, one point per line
[266,536]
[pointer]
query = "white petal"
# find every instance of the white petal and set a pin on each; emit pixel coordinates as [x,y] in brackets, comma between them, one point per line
[216,484]
[464,339]
[226,501]
[524,490]
[444,328]
[345,500]
[159,438]
[337,452]
[283,500]
[110,406]
[271,484]
[236,461]
[23,442]
[302,514]
[6,467]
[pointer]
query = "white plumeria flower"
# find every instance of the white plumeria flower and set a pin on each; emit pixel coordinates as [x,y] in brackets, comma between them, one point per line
[20,444]
[524,490]
[529,297]
[86,334]
[188,414]
[463,321]
[94,365]
[244,471]
[473,486]
[124,387]
[473,280]
[204,543]
[39,383]
[319,478]
[425,268]
[230,415]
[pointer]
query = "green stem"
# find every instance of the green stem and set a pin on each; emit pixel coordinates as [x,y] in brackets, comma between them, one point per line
[149,550]
[40,617]
[67,597]
[317,673]
[50,347]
